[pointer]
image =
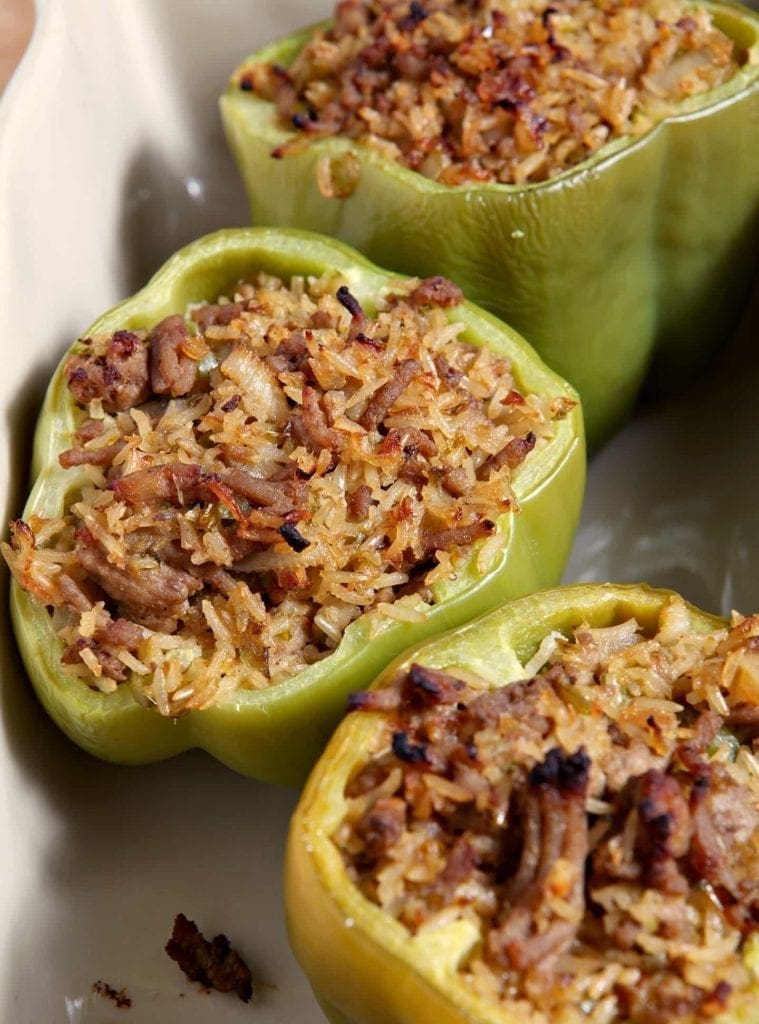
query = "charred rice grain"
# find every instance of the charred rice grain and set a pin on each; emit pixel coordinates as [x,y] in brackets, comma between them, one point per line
[293,537]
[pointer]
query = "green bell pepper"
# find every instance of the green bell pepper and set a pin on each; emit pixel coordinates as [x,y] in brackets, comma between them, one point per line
[276,733]
[635,261]
[363,964]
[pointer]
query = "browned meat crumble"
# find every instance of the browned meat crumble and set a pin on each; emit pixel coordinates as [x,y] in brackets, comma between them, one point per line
[246,482]
[598,822]
[468,91]
[213,964]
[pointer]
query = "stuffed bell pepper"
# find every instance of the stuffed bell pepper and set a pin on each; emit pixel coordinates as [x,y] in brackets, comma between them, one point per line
[586,170]
[549,815]
[262,478]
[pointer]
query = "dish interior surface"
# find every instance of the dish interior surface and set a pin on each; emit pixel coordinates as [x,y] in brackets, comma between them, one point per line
[111,157]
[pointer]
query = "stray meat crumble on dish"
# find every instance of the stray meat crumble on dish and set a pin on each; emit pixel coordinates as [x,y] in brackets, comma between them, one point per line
[247,482]
[212,963]
[598,821]
[472,91]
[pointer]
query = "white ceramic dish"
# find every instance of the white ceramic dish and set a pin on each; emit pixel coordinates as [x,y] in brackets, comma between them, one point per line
[111,156]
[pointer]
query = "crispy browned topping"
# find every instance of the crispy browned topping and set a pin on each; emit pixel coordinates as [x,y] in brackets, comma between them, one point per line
[468,91]
[595,822]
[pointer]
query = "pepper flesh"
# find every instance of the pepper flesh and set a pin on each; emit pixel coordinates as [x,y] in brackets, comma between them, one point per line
[391,977]
[276,734]
[636,261]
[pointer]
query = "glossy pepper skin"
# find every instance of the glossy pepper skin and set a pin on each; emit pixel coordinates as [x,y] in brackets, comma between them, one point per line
[276,734]
[364,966]
[636,261]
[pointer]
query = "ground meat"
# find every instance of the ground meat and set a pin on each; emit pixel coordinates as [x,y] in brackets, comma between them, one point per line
[358,503]
[384,397]
[628,759]
[89,430]
[460,866]
[415,442]
[743,715]
[414,471]
[664,999]
[172,372]
[382,826]
[216,315]
[725,850]
[657,806]
[455,481]
[119,377]
[178,483]
[290,355]
[426,686]
[209,573]
[318,432]
[146,597]
[436,291]
[665,832]
[446,372]
[705,729]
[266,493]
[512,455]
[90,456]
[521,701]
[111,666]
[120,633]
[442,540]
[555,826]
[73,594]
[374,700]
[213,964]
[183,484]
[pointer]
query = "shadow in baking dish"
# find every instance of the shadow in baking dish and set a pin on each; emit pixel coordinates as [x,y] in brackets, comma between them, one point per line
[165,207]
[673,499]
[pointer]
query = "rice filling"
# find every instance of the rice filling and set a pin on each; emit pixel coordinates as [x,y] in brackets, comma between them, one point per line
[466,92]
[248,479]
